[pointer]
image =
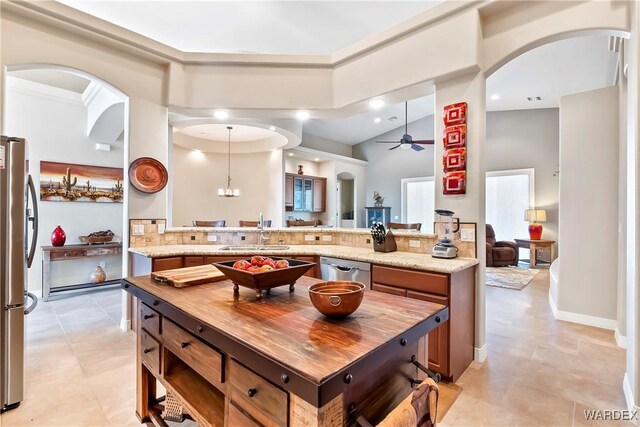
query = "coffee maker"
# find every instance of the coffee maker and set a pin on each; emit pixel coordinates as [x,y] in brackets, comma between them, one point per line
[444,228]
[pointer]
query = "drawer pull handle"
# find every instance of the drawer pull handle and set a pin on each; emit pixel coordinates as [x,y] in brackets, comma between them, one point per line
[252,392]
[184,344]
[147,350]
[148,316]
[437,319]
[284,378]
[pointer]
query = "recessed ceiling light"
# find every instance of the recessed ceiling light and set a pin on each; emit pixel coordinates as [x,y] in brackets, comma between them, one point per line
[302,115]
[290,154]
[377,103]
[272,128]
[377,120]
[197,151]
[220,114]
[495,97]
[316,159]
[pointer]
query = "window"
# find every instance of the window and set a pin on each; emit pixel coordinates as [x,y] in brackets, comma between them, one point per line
[509,193]
[418,201]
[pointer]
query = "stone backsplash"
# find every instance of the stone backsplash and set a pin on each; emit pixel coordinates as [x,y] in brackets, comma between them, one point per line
[155,234]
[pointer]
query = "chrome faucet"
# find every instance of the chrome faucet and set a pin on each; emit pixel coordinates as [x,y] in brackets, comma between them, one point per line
[264,237]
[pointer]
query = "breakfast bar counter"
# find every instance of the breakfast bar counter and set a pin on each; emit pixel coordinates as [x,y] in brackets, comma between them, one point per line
[231,359]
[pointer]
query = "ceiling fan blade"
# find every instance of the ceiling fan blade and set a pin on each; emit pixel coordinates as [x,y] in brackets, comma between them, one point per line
[393,148]
[387,142]
[424,141]
[416,147]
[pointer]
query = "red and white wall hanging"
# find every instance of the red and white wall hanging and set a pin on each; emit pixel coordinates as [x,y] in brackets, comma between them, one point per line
[454,158]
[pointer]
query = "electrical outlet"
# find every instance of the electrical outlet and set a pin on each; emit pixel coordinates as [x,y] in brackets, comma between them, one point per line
[103,264]
[160,228]
[137,230]
[317,238]
[212,238]
[243,237]
[327,238]
[468,235]
[414,243]
[368,241]
[309,237]
[193,237]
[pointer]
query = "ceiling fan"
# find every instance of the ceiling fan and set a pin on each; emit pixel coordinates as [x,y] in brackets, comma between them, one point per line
[407,139]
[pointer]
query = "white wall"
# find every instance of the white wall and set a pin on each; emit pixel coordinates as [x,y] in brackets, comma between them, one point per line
[55,128]
[385,168]
[587,277]
[197,177]
[524,139]
[326,145]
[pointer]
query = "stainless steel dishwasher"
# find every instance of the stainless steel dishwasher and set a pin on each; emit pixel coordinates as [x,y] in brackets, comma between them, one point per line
[342,269]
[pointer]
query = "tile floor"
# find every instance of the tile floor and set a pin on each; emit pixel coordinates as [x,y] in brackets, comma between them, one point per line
[539,371]
[80,369]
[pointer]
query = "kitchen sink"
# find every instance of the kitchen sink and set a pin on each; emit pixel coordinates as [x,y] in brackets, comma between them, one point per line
[255,248]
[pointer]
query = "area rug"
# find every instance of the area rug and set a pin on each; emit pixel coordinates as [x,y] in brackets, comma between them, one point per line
[510,277]
[448,393]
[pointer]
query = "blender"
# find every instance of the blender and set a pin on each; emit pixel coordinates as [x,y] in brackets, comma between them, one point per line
[444,227]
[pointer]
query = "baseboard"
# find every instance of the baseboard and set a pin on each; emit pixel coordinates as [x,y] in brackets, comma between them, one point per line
[628,397]
[480,354]
[621,340]
[582,319]
[125,325]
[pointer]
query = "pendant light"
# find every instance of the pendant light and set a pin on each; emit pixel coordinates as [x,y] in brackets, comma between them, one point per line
[229,192]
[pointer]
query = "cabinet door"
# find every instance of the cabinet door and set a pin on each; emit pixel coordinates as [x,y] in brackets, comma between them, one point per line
[438,338]
[288,190]
[312,272]
[319,194]
[298,194]
[308,194]
[170,263]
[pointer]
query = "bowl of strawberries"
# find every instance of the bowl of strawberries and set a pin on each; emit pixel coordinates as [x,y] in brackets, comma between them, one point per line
[262,273]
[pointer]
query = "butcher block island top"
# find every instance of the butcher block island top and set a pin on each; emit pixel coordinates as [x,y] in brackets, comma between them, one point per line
[319,362]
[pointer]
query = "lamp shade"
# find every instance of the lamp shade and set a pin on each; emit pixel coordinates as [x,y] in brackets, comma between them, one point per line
[535,215]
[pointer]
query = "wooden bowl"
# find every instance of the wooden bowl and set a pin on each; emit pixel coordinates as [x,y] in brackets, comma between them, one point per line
[336,299]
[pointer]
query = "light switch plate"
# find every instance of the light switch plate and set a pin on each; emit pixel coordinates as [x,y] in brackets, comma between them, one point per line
[137,230]
[309,237]
[326,238]
[414,243]
[103,264]
[467,235]
[212,238]
[160,228]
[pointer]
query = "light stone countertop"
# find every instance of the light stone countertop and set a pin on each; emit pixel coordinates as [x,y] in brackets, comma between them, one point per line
[395,259]
[317,230]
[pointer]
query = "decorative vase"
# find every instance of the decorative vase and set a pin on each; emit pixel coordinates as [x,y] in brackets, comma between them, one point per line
[58,237]
[98,276]
[300,170]
[535,231]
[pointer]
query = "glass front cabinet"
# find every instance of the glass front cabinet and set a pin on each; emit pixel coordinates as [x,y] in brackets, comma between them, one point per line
[378,214]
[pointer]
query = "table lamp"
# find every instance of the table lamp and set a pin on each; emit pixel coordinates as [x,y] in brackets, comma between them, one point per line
[533,216]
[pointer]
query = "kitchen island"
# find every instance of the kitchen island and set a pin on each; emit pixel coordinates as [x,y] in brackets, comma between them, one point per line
[276,361]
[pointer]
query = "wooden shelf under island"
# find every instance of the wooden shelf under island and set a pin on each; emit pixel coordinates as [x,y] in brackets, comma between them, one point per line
[275,361]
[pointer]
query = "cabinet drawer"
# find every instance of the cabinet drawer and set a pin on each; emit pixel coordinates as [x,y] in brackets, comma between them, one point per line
[256,396]
[415,280]
[388,289]
[150,320]
[199,356]
[212,259]
[193,261]
[150,351]
[160,264]
[237,418]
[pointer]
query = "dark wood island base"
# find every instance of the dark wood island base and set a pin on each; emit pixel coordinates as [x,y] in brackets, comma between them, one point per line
[239,361]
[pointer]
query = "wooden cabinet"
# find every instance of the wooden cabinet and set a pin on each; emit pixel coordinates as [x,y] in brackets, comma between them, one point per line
[193,261]
[312,272]
[319,194]
[305,193]
[160,264]
[451,345]
[288,191]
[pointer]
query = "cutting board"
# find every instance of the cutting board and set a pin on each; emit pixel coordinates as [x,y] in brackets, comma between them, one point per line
[189,276]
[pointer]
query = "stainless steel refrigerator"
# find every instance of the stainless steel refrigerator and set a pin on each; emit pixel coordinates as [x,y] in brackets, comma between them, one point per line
[18,236]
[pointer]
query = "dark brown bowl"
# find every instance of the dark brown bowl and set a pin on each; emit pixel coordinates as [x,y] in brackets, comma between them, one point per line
[267,279]
[336,299]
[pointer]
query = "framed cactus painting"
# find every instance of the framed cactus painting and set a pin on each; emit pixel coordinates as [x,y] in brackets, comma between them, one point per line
[67,182]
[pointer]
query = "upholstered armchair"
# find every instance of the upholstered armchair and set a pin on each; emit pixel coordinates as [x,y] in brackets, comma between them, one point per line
[500,254]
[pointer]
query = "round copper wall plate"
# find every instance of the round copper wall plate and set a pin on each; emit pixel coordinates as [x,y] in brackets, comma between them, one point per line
[148,175]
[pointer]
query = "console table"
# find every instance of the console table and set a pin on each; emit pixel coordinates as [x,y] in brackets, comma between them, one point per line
[64,253]
[534,246]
